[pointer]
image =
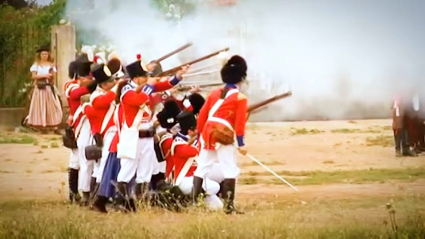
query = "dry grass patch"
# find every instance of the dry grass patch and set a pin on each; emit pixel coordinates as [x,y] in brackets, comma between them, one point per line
[5,171]
[263,219]
[305,131]
[54,145]
[341,176]
[354,131]
[16,139]
[382,140]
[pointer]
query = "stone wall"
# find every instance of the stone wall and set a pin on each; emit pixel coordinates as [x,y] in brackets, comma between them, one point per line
[10,118]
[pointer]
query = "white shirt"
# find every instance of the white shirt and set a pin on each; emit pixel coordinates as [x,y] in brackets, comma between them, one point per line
[41,70]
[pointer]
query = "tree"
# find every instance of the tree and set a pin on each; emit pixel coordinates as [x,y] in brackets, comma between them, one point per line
[18,4]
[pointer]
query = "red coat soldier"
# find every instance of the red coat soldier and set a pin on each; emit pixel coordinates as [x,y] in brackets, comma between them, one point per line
[184,151]
[74,89]
[221,120]
[167,120]
[102,101]
[138,156]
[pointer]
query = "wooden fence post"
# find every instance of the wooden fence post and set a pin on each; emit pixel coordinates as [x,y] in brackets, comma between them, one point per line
[63,43]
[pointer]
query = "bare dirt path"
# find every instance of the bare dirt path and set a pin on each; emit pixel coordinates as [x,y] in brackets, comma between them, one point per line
[39,171]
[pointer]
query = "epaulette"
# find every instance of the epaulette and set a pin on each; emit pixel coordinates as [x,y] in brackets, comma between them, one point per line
[165,137]
[126,89]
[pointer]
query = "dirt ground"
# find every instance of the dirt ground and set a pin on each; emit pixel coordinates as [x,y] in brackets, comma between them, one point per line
[39,171]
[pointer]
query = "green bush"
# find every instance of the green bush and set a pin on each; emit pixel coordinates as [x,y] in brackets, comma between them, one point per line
[22,31]
[174,10]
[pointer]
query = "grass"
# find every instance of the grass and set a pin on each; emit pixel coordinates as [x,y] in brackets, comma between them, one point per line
[305,131]
[324,219]
[343,176]
[381,140]
[354,131]
[17,139]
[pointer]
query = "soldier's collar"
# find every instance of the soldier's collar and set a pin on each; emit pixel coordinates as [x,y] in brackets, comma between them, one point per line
[232,86]
[182,136]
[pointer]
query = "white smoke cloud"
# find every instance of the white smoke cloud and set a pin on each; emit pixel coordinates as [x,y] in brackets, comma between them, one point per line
[337,64]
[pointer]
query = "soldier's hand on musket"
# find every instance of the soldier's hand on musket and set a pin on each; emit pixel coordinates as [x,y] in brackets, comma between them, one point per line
[182,71]
[242,150]
[194,89]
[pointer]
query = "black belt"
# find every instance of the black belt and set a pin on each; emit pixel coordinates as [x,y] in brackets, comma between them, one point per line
[149,133]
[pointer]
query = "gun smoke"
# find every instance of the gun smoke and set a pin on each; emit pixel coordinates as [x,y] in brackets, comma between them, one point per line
[341,59]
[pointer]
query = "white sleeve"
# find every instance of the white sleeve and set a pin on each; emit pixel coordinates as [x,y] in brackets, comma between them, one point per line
[34,68]
[54,69]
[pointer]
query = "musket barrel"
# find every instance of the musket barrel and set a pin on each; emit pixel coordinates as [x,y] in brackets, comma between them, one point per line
[173,52]
[173,70]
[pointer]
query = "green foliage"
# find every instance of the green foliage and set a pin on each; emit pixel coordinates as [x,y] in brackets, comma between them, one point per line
[174,10]
[22,30]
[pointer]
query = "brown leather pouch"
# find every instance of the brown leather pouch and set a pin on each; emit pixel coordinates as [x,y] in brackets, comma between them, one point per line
[69,138]
[42,84]
[223,135]
[93,152]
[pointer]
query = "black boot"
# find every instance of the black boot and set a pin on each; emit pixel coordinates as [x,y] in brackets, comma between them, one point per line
[398,153]
[131,200]
[86,199]
[229,196]
[93,190]
[92,185]
[220,192]
[155,180]
[100,204]
[74,196]
[142,191]
[197,188]
[122,200]
[409,152]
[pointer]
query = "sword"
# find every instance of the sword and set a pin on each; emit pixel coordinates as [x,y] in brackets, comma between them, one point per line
[271,171]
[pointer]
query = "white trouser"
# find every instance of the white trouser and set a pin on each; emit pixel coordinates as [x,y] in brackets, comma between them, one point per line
[159,167]
[100,165]
[143,166]
[211,188]
[162,166]
[155,167]
[226,156]
[86,166]
[216,173]
[74,158]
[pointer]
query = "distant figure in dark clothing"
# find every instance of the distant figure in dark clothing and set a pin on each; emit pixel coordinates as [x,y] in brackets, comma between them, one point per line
[402,147]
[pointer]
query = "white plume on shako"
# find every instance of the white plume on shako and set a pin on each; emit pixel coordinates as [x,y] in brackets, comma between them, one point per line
[336,66]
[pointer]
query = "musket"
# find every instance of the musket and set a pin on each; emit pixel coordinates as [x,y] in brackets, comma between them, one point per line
[201,73]
[258,105]
[175,69]
[158,67]
[187,87]
[172,53]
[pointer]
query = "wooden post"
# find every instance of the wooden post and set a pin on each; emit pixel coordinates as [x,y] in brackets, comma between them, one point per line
[63,42]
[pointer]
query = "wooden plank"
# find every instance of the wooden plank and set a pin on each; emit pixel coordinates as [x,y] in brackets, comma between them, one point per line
[63,40]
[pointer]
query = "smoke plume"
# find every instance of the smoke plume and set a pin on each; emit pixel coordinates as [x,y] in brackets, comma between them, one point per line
[341,59]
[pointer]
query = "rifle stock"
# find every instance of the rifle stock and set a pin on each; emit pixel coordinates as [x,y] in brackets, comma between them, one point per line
[175,69]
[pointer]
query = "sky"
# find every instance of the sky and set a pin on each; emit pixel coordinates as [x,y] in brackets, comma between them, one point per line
[340,57]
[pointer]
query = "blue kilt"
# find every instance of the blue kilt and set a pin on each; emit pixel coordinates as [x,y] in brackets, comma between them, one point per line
[110,173]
